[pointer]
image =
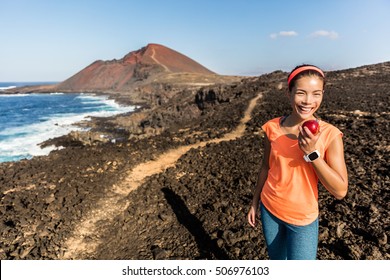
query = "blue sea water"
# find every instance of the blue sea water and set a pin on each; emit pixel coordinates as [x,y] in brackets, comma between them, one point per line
[29,119]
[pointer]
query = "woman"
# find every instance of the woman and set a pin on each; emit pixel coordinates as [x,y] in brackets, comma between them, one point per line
[294,160]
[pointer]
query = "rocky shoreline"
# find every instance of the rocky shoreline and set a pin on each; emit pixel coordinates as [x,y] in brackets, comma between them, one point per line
[197,208]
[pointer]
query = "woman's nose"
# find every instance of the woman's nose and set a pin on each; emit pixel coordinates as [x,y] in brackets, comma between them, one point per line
[308,99]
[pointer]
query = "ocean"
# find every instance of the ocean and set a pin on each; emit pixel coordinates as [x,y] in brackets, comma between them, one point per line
[27,120]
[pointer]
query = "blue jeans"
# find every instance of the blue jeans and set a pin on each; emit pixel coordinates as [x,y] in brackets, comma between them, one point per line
[289,242]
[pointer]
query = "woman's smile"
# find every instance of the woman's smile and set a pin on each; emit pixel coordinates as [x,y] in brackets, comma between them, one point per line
[305,109]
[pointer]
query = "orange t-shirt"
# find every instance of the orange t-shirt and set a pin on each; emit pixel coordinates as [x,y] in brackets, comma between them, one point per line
[290,192]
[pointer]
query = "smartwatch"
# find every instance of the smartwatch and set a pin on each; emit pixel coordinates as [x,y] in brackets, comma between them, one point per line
[312,156]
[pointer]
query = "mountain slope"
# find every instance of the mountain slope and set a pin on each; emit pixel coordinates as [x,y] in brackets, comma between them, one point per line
[146,63]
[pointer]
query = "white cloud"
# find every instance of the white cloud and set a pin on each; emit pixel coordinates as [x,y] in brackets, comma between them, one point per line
[283,34]
[288,33]
[324,33]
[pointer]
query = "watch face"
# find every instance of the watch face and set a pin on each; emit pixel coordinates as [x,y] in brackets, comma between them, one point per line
[312,156]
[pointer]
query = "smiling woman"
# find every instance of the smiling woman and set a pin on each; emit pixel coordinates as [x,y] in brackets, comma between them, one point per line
[294,160]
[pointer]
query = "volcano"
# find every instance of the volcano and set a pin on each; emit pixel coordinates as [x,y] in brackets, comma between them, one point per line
[150,63]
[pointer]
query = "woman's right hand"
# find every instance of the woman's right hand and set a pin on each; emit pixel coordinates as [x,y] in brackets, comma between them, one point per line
[252,216]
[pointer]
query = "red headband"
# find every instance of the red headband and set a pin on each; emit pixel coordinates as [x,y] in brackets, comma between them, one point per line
[301,69]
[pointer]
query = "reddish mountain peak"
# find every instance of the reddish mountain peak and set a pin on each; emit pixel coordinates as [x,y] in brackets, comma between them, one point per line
[139,65]
[138,55]
[154,45]
[170,60]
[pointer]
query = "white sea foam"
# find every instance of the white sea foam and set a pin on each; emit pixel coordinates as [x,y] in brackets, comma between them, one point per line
[14,95]
[23,141]
[5,88]
[109,108]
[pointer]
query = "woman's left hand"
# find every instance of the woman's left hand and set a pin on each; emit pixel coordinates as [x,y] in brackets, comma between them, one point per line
[306,140]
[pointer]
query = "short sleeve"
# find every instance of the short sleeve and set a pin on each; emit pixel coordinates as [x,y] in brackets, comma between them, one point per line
[331,132]
[270,128]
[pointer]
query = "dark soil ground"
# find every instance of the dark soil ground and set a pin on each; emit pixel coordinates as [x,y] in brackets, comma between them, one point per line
[197,209]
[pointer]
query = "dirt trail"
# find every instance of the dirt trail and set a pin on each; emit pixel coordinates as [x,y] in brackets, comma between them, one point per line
[85,239]
[158,62]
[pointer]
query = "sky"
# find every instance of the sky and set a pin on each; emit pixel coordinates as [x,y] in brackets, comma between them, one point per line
[46,40]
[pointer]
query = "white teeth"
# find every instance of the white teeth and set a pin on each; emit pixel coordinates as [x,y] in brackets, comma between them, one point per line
[306,110]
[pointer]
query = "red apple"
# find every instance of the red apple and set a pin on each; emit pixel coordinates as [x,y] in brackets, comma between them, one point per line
[312,125]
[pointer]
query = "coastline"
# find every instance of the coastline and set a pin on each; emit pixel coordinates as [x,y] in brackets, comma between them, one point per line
[77,114]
